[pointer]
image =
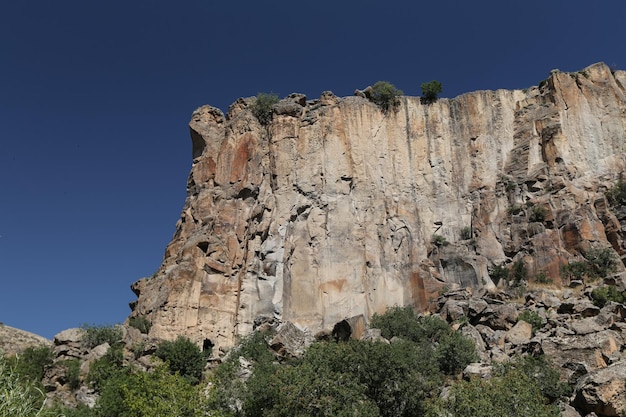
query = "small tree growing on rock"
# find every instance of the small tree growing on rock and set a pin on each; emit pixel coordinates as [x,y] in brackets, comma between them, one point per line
[263,107]
[385,95]
[431,91]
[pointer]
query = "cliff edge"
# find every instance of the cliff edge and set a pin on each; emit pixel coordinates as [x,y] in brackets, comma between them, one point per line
[336,210]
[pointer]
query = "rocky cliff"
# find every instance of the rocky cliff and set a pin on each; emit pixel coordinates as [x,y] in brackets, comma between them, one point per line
[337,209]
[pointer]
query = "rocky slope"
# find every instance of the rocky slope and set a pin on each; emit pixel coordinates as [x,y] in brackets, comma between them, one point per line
[336,209]
[14,340]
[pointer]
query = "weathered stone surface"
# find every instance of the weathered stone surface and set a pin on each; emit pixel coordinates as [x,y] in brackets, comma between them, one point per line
[14,340]
[603,391]
[520,333]
[329,211]
[290,341]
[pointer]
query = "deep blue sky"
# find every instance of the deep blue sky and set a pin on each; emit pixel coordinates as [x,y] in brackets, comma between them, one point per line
[95,98]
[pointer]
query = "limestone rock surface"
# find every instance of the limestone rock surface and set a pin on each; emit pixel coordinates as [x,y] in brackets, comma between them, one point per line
[336,209]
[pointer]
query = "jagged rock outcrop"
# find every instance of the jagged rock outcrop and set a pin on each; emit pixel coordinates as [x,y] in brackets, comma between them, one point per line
[329,211]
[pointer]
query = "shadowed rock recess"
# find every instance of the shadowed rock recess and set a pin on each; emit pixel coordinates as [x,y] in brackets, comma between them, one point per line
[336,210]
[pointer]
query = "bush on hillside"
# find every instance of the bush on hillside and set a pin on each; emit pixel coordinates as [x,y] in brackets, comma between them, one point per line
[95,335]
[183,356]
[617,194]
[140,323]
[604,294]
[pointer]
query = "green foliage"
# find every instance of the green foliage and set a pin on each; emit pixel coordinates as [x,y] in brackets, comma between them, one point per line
[72,373]
[599,263]
[81,410]
[617,194]
[454,352]
[18,396]
[538,214]
[183,356]
[96,335]
[431,91]
[149,394]
[385,95]
[602,262]
[511,394]
[230,391]
[466,233]
[254,347]
[545,376]
[575,270]
[32,363]
[542,278]
[347,378]
[439,240]
[531,317]
[140,323]
[138,349]
[306,390]
[499,273]
[106,367]
[520,273]
[263,107]
[604,294]
[398,321]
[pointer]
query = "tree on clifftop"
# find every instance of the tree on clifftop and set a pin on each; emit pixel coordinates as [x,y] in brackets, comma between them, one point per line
[430,91]
[386,95]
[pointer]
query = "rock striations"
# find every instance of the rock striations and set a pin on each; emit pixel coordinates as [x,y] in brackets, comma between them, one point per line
[336,209]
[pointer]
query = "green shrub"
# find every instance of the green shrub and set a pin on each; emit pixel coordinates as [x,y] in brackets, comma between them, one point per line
[439,240]
[33,362]
[95,335]
[72,373]
[604,294]
[466,233]
[454,352]
[149,394]
[385,95]
[431,91]
[513,394]
[140,323]
[18,397]
[520,273]
[538,214]
[542,278]
[602,262]
[531,317]
[183,356]
[263,107]
[617,194]
[541,370]
[575,270]
[106,367]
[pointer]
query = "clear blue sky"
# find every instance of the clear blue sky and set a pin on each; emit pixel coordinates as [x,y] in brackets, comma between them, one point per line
[95,98]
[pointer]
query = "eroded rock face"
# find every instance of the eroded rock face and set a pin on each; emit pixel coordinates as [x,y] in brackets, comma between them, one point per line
[329,211]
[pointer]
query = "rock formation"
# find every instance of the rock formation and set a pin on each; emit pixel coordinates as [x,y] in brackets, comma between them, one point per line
[336,209]
[14,340]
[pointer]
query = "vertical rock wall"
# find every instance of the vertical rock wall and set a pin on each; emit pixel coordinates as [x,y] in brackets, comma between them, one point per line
[329,212]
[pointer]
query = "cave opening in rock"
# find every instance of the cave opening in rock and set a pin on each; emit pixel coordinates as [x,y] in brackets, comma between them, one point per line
[207,347]
[342,331]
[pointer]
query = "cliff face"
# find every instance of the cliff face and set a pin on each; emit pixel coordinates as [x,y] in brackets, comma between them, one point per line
[329,212]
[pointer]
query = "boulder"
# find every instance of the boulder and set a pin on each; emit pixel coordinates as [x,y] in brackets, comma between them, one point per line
[603,391]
